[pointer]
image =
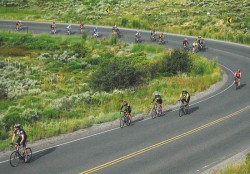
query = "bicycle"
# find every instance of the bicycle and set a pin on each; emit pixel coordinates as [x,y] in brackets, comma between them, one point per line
[236,82]
[138,40]
[183,110]
[17,156]
[124,119]
[155,112]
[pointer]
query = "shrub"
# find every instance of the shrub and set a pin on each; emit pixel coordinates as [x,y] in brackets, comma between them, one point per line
[117,74]
[51,114]
[113,39]
[124,22]
[136,24]
[79,49]
[10,119]
[3,134]
[177,62]
[3,92]
[73,65]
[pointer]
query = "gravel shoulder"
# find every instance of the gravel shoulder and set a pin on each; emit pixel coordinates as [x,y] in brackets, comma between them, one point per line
[236,159]
[53,142]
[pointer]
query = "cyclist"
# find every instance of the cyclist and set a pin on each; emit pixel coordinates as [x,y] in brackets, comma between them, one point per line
[115,29]
[195,44]
[153,35]
[127,109]
[185,43]
[199,42]
[53,27]
[237,76]
[68,29]
[18,25]
[161,38]
[95,33]
[81,27]
[185,97]
[22,137]
[158,100]
[137,36]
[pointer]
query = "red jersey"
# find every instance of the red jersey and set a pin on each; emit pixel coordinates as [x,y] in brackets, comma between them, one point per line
[185,42]
[237,74]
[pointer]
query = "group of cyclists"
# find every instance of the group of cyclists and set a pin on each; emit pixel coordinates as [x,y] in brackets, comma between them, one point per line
[184,96]
[198,45]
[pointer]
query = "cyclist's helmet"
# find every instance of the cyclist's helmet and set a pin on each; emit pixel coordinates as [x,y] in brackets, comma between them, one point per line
[184,90]
[157,95]
[17,126]
[125,102]
[238,70]
[186,39]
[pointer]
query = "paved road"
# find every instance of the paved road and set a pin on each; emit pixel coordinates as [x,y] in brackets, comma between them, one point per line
[216,129]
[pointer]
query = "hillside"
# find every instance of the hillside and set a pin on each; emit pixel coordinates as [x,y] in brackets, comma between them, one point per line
[207,18]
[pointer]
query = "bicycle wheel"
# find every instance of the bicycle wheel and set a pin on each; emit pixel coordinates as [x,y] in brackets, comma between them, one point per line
[153,113]
[128,122]
[29,156]
[122,122]
[15,159]
[181,112]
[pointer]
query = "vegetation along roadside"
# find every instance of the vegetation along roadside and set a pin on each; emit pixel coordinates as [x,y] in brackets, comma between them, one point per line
[59,84]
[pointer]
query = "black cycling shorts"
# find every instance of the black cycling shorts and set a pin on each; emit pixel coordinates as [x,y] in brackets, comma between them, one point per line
[23,143]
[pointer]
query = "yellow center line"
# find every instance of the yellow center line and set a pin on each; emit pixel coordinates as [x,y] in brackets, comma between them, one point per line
[149,148]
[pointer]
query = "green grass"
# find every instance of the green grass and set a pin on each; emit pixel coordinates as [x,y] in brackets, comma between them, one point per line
[51,95]
[241,168]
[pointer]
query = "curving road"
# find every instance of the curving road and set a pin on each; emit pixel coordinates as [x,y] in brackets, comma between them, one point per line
[217,128]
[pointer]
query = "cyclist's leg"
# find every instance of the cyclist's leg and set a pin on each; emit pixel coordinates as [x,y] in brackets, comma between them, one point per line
[24,146]
[129,115]
[158,106]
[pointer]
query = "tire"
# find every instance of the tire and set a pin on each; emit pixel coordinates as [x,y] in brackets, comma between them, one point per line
[181,112]
[128,122]
[122,122]
[29,151]
[15,159]
[153,113]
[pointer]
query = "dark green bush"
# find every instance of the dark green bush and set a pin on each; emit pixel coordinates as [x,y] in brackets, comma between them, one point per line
[117,74]
[55,66]
[3,135]
[10,119]
[177,62]
[124,22]
[94,60]
[51,114]
[73,65]
[80,49]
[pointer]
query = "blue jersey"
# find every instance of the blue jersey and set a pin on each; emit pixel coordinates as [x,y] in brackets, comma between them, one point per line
[20,133]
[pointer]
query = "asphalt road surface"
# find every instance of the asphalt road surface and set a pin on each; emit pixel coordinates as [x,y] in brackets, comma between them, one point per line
[217,127]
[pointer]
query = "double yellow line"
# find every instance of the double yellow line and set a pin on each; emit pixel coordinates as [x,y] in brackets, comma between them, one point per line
[149,148]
